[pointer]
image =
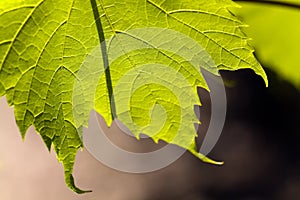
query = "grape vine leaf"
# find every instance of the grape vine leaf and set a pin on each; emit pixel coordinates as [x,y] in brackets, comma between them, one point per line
[276,37]
[43,44]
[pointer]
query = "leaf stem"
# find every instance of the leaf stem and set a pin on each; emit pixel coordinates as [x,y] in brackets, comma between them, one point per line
[279,3]
[104,56]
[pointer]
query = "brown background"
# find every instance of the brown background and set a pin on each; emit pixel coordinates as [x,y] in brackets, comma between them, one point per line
[259,145]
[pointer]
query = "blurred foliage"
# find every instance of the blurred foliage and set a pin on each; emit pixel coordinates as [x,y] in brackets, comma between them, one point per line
[275,31]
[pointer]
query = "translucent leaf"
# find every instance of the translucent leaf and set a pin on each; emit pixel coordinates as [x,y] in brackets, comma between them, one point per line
[44,44]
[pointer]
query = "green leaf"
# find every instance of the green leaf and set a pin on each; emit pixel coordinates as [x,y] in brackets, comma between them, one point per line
[45,45]
[275,31]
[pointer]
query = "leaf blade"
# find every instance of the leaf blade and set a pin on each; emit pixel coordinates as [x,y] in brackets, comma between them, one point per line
[44,47]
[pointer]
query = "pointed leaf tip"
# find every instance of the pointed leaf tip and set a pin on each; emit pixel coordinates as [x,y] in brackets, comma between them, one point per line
[71,184]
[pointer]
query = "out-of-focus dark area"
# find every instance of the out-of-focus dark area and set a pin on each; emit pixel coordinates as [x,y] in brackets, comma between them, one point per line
[259,145]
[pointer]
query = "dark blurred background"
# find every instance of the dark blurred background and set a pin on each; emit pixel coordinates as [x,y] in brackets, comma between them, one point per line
[259,145]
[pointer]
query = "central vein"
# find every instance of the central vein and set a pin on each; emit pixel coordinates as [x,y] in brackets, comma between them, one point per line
[104,56]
